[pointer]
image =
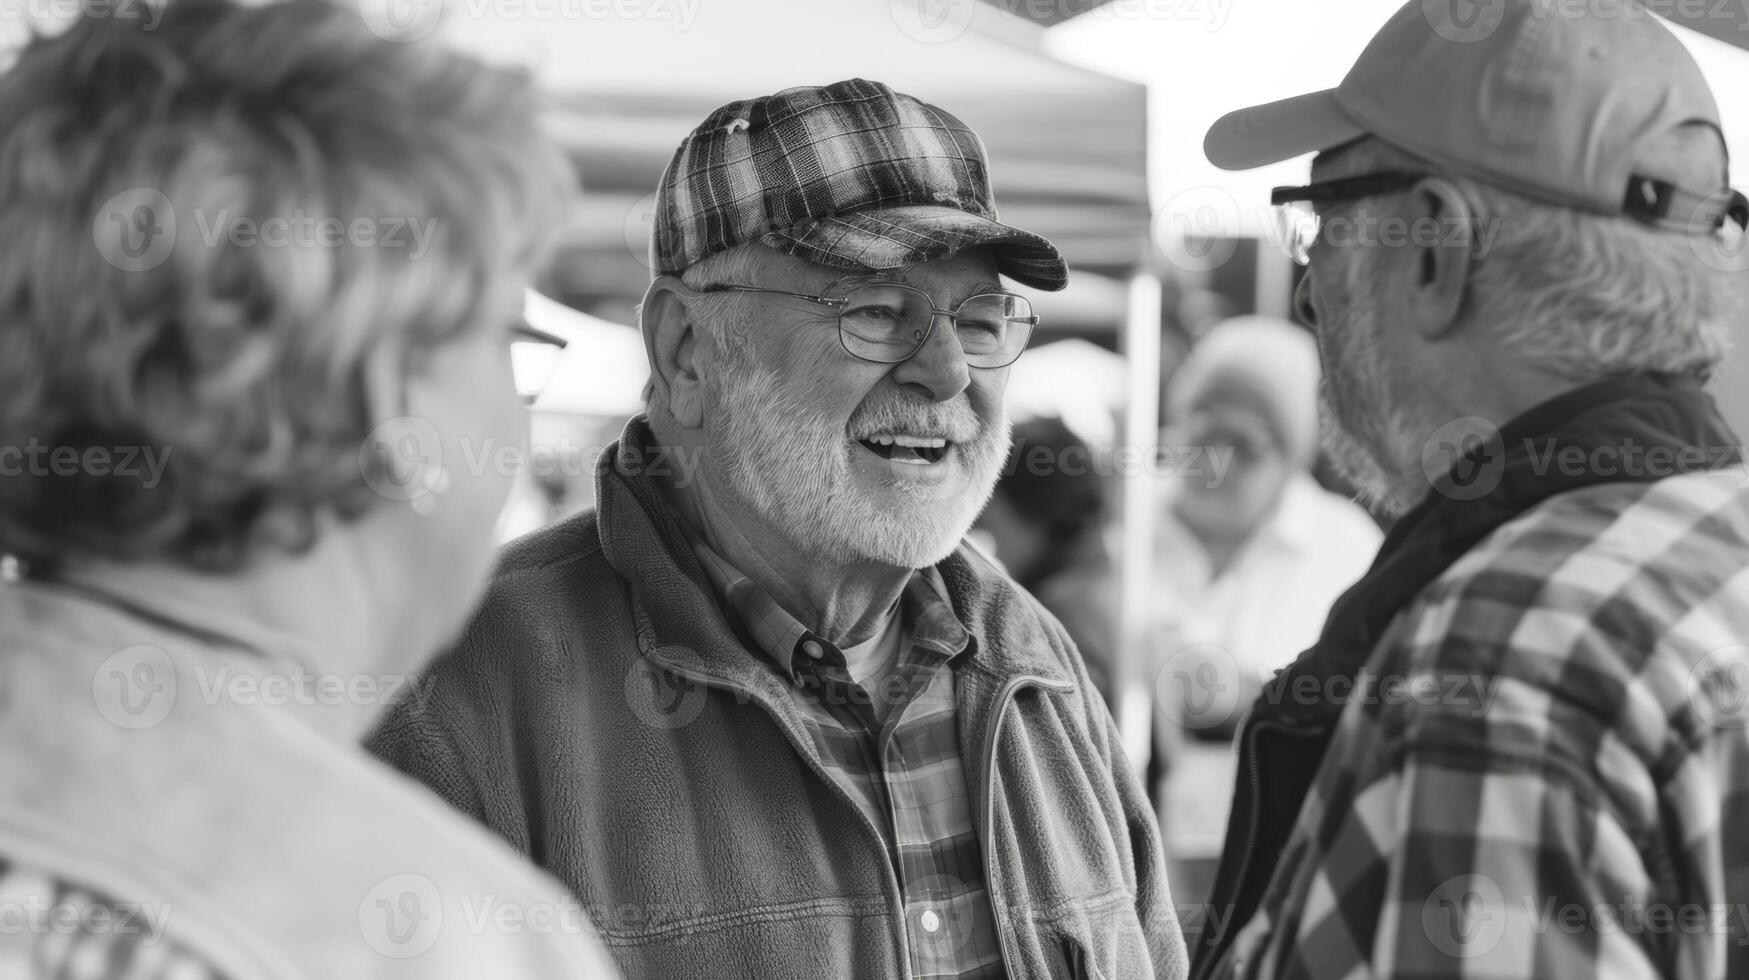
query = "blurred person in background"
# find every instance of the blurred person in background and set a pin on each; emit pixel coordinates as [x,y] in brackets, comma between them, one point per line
[1534,708]
[1251,554]
[270,526]
[1047,523]
[763,691]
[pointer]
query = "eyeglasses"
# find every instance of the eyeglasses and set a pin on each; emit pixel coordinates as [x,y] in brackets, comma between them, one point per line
[534,353]
[888,323]
[1297,222]
[1655,202]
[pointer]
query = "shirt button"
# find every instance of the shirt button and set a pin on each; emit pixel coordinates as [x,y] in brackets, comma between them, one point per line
[812,649]
[931,921]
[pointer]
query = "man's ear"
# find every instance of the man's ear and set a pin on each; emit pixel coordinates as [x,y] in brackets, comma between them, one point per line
[671,341]
[1435,272]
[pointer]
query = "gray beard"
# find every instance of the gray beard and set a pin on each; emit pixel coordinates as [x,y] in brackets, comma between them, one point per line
[1367,429]
[1355,463]
[792,467]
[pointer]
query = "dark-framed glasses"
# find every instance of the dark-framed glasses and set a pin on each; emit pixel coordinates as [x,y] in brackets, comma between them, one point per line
[888,323]
[534,353]
[1297,222]
[1655,202]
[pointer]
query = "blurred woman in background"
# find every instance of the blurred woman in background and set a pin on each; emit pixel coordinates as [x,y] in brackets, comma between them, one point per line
[1251,554]
[257,278]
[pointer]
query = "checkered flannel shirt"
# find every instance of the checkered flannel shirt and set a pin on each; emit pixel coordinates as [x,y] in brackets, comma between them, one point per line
[51,927]
[905,774]
[1544,772]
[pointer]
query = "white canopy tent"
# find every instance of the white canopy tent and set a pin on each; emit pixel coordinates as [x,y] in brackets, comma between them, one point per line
[600,371]
[1067,143]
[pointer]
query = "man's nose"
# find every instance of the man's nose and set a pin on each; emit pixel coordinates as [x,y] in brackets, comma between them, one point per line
[938,369]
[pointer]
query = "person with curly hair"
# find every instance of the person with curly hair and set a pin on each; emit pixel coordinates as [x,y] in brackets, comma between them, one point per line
[258,277]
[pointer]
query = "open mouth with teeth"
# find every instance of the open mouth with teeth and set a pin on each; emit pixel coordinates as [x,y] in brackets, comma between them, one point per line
[902,448]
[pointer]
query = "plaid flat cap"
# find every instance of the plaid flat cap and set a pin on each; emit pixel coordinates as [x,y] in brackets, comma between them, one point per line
[851,175]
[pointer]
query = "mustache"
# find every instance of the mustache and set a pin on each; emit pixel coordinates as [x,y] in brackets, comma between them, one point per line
[954,421]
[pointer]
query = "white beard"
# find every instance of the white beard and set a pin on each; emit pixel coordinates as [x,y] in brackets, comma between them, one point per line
[792,466]
[1363,423]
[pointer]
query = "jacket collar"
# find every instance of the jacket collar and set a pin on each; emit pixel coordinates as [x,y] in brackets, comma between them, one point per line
[1643,410]
[642,538]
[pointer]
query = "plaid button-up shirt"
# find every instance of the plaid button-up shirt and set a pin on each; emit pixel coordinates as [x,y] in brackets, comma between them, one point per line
[84,933]
[904,773]
[1543,771]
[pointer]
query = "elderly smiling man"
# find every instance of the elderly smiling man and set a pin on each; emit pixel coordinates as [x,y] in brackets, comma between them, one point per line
[761,710]
[1518,748]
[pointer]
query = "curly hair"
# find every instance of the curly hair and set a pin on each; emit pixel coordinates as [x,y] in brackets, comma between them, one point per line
[241,358]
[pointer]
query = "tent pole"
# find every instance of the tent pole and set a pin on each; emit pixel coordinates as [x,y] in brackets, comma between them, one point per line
[1133,678]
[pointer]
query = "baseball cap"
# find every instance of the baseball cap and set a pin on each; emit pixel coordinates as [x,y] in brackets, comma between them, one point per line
[1556,101]
[851,175]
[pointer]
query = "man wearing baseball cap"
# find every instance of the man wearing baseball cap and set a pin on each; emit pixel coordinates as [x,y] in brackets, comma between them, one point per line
[761,709]
[1518,747]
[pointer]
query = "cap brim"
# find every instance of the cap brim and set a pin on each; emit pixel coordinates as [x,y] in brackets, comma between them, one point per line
[887,238]
[1266,134]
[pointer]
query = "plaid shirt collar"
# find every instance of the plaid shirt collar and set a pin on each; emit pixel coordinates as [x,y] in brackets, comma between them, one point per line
[930,624]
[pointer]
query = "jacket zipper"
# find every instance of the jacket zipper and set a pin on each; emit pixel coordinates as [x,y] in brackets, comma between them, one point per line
[891,874]
[1254,773]
[1003,697]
